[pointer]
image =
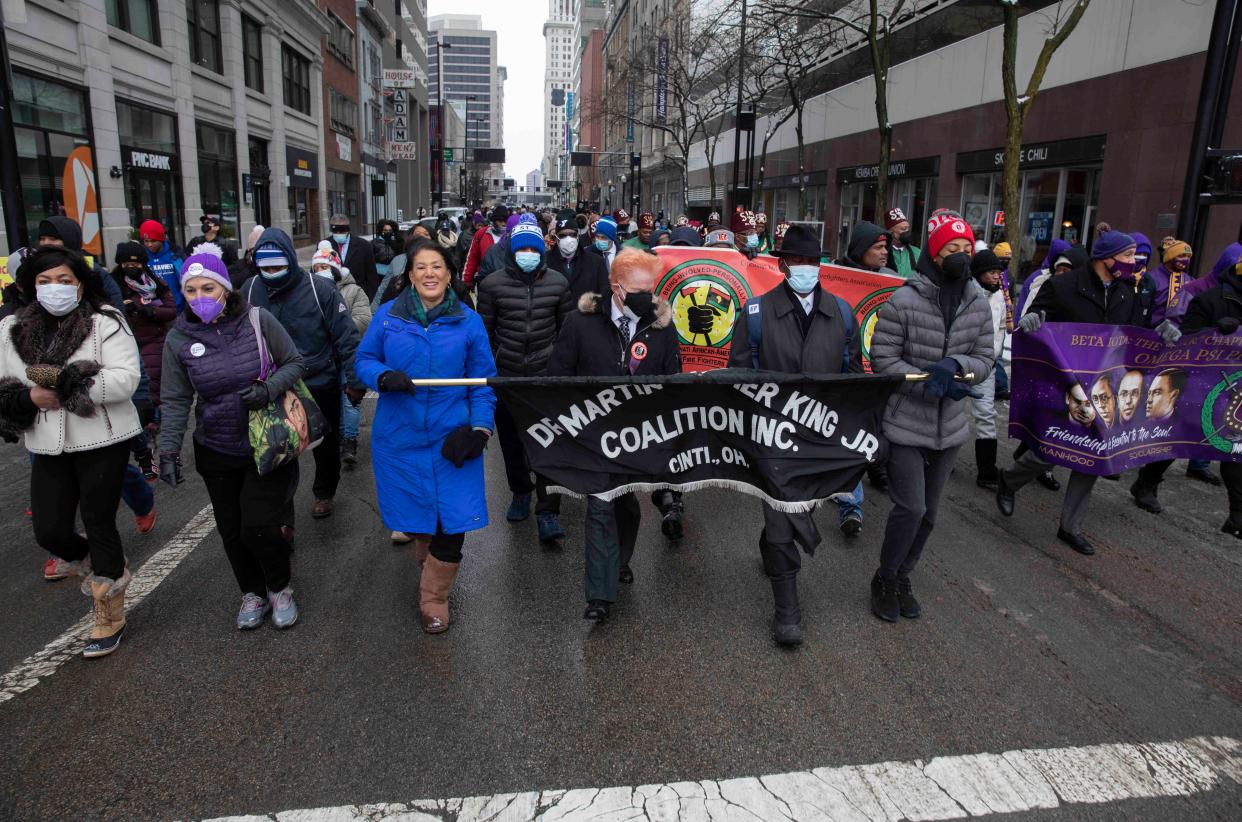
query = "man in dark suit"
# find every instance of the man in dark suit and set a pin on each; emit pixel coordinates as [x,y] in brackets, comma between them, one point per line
[355,254]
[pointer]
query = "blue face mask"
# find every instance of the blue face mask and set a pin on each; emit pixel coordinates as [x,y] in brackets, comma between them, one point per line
[603,244]
[340,239]
[273,275]
[803,278]
[752,240]
[528,261]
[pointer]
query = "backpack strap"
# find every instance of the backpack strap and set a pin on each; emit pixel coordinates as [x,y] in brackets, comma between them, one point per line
[754,330]
[851,328]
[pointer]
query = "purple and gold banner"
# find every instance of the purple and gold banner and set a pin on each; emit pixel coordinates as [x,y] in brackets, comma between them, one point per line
[1105,398]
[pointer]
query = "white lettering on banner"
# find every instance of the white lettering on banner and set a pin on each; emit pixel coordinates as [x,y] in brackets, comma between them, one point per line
[157,162]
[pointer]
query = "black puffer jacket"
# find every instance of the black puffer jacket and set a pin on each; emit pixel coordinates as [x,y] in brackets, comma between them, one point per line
[1078,296]
[523,314]
[1213,305]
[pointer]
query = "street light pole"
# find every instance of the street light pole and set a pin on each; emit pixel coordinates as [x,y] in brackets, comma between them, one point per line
[737,117]
[441,46]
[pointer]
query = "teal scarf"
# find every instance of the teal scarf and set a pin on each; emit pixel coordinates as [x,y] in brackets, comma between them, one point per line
[420,313]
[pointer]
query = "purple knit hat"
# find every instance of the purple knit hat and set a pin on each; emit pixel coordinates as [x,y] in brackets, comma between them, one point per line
[207,261]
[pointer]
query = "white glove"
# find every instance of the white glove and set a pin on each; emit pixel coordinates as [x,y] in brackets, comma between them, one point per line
[1031,322]
[1169,332]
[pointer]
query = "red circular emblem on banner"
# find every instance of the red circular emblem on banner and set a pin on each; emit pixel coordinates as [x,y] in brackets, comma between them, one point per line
[639,351]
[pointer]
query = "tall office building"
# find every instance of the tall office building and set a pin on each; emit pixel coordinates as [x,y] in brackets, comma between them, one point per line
[558,36]
[471,74]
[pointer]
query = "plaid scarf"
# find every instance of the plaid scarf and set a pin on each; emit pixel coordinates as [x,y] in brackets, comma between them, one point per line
[424,317]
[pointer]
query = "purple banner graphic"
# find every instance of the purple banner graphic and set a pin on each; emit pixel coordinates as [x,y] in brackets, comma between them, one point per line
[1105,398]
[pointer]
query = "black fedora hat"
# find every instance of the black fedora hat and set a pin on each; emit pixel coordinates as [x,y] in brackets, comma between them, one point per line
[799,241]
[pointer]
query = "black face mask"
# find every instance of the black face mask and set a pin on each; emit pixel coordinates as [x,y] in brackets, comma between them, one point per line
[903,238]
[639,303]
[956,266]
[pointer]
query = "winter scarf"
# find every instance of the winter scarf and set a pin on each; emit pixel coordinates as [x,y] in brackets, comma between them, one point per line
[414,304]
[46,343]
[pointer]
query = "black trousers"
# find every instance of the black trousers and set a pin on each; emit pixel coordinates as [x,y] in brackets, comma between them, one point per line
[1152,473]
[916,479]
[446,547]
[1231,474]
[89,482]
[328,452]
[517,465]
[611,533]
[249,510]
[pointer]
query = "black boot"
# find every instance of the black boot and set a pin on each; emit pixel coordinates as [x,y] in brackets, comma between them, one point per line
[906,603]
[1004,495]
[1145,496]
[671,511]
[349,453]
[985,464]
[884,602]
[877,475]
[780,563]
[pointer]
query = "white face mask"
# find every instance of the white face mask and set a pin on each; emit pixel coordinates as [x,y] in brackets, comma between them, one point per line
[568,246]
[57,299]
[273,275]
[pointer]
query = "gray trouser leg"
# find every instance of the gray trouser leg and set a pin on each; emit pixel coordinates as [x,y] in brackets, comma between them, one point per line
[1024,469]
[1077,492]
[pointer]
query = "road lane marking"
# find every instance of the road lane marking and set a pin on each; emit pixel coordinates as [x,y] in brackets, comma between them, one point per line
[948,787]
[68,646]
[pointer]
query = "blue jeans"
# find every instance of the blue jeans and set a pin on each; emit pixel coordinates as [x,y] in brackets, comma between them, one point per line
[350,416]
[851,507]
[1199,465]
[138,495]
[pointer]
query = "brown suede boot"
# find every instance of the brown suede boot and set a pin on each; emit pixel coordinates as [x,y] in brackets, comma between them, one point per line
[433,592]
[422,547]
[109,627]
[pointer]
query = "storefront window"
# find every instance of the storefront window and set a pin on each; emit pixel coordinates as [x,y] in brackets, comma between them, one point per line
[147,128]
[55,156]
[217,176]
[343,193]
[152,170]
[979,204]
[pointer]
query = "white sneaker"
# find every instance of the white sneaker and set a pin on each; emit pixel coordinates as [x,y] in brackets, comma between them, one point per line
[253,609]
[284,610]
[401,538]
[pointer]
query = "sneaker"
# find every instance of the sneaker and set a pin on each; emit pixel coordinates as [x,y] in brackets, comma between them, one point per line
[401,538]
[550,528]
[253,609]
[789,636]
[884,602]
[55,569]
[146,522]
[851,526]
[284,610]
[519,508]
[906,603]
[349,453]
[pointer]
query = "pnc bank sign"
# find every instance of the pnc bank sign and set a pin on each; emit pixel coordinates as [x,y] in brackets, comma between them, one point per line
[150,160]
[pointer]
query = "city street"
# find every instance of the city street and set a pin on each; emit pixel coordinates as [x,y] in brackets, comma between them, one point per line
[526,708]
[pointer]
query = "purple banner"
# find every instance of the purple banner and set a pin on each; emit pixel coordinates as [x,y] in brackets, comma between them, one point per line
[1105,398]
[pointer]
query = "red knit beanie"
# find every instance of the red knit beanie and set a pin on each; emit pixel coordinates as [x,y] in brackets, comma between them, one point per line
[955,229]
[151,230]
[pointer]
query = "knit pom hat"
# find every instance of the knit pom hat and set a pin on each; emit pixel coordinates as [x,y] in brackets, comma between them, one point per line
[207,261]
[1002,250]
[326,254]
[950,229]
[1171,249]
[526,235]
[1110,244]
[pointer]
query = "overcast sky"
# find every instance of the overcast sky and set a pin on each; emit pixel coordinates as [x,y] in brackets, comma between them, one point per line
[520,49]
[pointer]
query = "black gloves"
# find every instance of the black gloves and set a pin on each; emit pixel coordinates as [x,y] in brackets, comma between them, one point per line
[396,381]
[170,469]
[700,319]
[960,391]
[255,396]
[464,444]
[940,377]
[1227,325]
[355,395]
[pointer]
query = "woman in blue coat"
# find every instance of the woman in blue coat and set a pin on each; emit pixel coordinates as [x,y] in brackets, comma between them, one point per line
[427,443]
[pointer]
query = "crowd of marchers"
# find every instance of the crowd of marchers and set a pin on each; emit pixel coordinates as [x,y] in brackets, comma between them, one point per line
[100,371]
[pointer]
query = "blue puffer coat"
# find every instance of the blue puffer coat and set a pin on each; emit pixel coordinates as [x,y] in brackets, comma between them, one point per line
[415,485]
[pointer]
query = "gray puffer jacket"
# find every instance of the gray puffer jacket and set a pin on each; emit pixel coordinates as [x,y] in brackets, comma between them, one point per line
[910,338]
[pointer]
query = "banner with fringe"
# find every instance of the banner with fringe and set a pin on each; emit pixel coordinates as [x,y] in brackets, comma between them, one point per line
[793,440]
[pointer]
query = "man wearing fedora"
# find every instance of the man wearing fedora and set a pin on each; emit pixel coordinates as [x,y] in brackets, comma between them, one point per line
[802,328]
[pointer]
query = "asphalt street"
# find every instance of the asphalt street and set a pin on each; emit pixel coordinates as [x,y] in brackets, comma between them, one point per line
[1023,645]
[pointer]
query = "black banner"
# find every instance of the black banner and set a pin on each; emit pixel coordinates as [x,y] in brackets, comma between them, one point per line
[793,440]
